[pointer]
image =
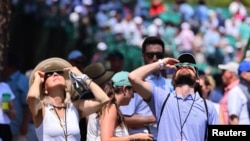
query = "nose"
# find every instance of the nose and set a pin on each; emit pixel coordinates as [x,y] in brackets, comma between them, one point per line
[55,73]
[155,58]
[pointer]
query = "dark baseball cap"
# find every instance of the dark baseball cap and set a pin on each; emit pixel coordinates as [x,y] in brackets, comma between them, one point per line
[186,59]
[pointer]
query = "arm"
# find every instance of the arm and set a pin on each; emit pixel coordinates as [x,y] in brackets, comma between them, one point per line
[136,121]
[33,98]
[235,104]
[90,106]
[233,120]
[108,123]
[137,77]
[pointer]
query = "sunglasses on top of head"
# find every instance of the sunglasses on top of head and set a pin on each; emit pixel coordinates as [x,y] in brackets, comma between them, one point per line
[150,55]
[50,73]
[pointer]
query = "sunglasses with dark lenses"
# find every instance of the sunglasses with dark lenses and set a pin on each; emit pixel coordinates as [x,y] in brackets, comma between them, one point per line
[50,73]
[150,55]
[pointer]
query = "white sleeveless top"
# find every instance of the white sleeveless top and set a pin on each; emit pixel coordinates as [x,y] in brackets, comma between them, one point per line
[94,132]
[51,130]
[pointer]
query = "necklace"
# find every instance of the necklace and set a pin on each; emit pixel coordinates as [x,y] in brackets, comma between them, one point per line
[59,107]
[182,124]
[64,127]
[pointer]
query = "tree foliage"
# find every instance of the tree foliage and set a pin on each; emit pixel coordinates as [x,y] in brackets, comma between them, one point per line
[5,12]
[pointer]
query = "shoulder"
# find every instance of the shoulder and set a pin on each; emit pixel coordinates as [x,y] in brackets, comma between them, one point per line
[211,107]
[236,89]
[110,108]
[4,87]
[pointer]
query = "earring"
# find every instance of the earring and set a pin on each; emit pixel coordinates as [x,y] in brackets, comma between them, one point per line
[46,92]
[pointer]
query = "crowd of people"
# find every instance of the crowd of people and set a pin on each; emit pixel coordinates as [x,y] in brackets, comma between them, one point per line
[150,76]
[134,105]
[107,25]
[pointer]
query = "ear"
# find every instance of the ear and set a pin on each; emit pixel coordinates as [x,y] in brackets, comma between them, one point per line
[198,80]
[143,56]
[124,89]
[45,92]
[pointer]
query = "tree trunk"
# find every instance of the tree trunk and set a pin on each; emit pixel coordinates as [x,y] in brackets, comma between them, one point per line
[5,12]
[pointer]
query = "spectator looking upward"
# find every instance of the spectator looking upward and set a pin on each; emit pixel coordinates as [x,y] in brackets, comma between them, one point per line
[108,123]
[178,118]
[100,77]
[49,98]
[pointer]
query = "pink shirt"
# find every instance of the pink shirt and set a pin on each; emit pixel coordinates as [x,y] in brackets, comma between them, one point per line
[223,103]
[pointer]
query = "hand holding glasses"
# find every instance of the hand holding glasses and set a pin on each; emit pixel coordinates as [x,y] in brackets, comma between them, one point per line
[80,86]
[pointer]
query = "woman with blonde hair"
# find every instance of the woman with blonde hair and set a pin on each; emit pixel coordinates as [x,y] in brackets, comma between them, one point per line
[207,84]
[55,116]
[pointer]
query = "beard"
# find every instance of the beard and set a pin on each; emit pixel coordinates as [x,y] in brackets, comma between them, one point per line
[185,79]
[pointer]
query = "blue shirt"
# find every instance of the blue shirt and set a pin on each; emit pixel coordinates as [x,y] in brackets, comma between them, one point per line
[19,84]
[237,104]
[138,106]
[160,82]
[170,126]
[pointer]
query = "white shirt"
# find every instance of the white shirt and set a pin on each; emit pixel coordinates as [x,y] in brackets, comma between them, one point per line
[4,88]
[94,132]
[51,130]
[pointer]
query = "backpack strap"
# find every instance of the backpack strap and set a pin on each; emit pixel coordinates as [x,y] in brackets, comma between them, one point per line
[205,103]
[162,108]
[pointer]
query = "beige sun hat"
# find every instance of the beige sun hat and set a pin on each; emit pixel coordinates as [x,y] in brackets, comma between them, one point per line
[50,64]
[98,73]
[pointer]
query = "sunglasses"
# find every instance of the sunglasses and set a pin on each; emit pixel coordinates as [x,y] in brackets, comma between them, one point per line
[50,73]
[185,64]
[150,55]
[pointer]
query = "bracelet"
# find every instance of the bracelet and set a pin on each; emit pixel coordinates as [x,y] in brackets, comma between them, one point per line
[161,64]
[84,77]
[90,82]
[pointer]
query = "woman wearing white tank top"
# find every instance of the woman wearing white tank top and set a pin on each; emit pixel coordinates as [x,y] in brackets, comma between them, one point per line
[49,97]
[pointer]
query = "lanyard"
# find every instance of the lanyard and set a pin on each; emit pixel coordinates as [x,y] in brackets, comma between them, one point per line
[63,127]
[182,124]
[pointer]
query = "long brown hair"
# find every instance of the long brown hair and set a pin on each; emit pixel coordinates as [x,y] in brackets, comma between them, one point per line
[111,91]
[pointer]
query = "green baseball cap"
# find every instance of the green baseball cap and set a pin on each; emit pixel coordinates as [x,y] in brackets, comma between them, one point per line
[121,79]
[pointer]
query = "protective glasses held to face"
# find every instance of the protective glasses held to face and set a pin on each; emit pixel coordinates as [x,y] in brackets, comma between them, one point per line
[50,73]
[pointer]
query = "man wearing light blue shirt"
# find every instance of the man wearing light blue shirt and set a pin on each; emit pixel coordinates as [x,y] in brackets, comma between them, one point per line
[138,115]
[181,115]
